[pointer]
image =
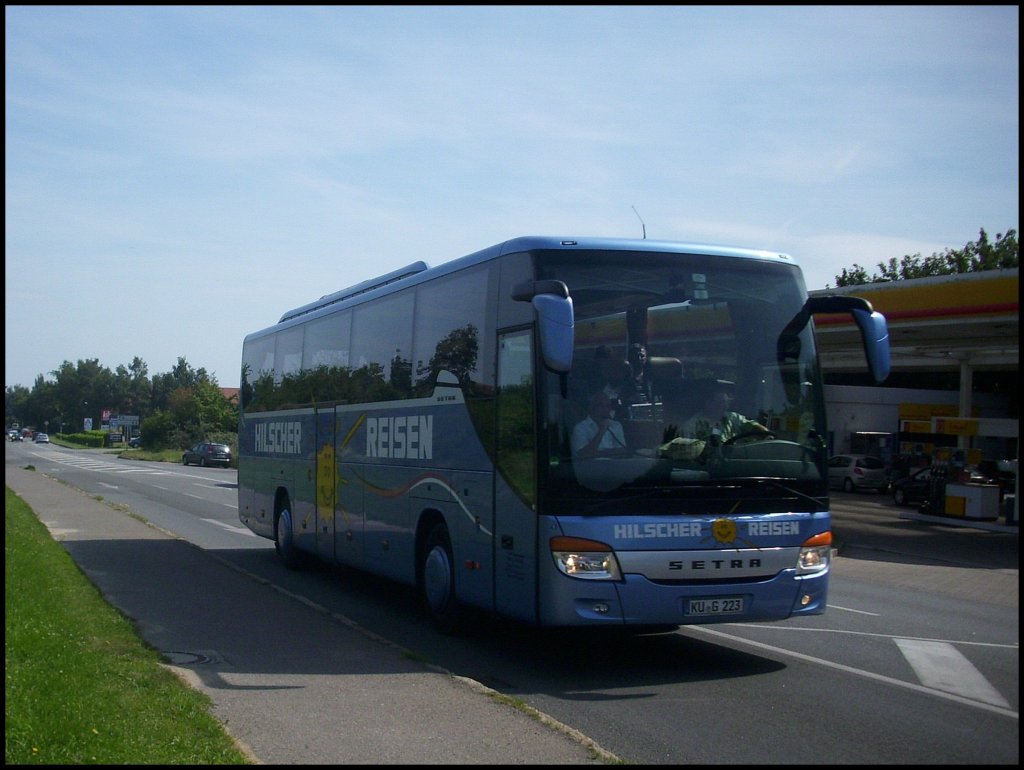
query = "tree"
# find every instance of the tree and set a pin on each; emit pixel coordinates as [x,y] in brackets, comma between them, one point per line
[974,257]
[185,404]
[133,388]
[16,399]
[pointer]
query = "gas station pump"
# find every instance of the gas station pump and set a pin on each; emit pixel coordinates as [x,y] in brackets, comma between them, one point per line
[935,501]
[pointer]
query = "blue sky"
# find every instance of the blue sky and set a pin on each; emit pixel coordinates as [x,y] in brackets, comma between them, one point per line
[177,177]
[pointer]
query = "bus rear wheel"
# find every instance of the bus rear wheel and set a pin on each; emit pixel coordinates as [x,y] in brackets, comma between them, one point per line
[437,569]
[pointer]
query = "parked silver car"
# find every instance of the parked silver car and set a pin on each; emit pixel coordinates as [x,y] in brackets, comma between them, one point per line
[856,472]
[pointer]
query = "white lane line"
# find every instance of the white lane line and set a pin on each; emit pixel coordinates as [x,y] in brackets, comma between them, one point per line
[849,609]
[800,630]
[942,666]
[238,530]
[855,671]
[97,465]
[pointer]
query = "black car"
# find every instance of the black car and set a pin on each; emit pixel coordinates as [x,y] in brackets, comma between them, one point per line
[207,453]
[999,473]
[913,488]
[916,487]
[135,442]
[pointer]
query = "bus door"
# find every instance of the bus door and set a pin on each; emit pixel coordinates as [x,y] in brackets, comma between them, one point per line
[326,487]
[515,494]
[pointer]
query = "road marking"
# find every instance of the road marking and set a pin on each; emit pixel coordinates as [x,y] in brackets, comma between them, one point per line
[239,530]
[107,467]
[848,609]
[1007,712]
[800,629]
[942,666]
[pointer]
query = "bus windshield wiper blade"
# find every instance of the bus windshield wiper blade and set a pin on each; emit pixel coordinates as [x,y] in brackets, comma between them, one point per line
[772,482]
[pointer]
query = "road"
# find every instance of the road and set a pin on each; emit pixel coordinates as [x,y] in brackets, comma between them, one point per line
[916,660]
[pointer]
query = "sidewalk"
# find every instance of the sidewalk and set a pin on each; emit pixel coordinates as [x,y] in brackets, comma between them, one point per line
[292,683]
[988,526]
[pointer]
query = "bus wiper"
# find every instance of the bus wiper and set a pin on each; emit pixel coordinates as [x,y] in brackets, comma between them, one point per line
[650,493]
[770,482]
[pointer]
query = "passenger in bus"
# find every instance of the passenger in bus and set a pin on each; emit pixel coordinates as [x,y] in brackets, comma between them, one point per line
[610,374]
[715,416]
[638,388]
[599,431]
[677,405]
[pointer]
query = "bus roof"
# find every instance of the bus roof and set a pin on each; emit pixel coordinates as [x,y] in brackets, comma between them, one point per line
[420,271]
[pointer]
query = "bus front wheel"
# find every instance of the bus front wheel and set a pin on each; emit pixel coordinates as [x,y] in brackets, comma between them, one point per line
[283,542]
[438,581]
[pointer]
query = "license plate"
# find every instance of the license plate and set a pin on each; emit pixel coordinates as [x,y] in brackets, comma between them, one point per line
[723,605]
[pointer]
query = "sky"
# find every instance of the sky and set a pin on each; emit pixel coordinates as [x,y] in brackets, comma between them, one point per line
[178,177]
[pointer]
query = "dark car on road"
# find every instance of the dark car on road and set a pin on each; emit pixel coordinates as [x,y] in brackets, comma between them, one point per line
[999,473]
[917,487]
[207,453]
[913,488]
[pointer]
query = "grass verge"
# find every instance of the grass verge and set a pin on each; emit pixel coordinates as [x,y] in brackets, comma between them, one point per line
[81,686]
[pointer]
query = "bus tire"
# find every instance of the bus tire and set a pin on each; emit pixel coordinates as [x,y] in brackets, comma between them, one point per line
[283,539]
[438,581]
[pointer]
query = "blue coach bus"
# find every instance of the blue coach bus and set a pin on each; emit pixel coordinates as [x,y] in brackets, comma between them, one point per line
[420,426]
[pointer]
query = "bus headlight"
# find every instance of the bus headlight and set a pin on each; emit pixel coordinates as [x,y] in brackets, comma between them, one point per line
[585,559]
[815,554]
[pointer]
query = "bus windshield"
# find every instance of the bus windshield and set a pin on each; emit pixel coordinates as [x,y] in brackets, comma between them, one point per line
[691,388]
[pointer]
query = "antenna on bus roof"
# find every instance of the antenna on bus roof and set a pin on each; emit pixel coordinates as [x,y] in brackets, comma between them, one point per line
[641,221]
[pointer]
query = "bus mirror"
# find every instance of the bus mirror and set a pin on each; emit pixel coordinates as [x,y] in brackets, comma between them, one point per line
[555,330]
[874,330]
[555,322]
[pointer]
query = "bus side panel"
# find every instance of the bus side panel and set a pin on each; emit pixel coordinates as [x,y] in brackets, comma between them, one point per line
[299,471]
[326,483]
[349,533]
[471,525]
[400,460]
[515,555]
[272,448]
[248,507]
[256,497]
[349,491]
[389,534]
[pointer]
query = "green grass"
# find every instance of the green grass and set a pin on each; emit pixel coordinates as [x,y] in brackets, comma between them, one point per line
[158,456]
[81,686]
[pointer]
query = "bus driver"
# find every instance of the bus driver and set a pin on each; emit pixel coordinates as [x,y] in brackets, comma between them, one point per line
[598,431]
[716,416]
